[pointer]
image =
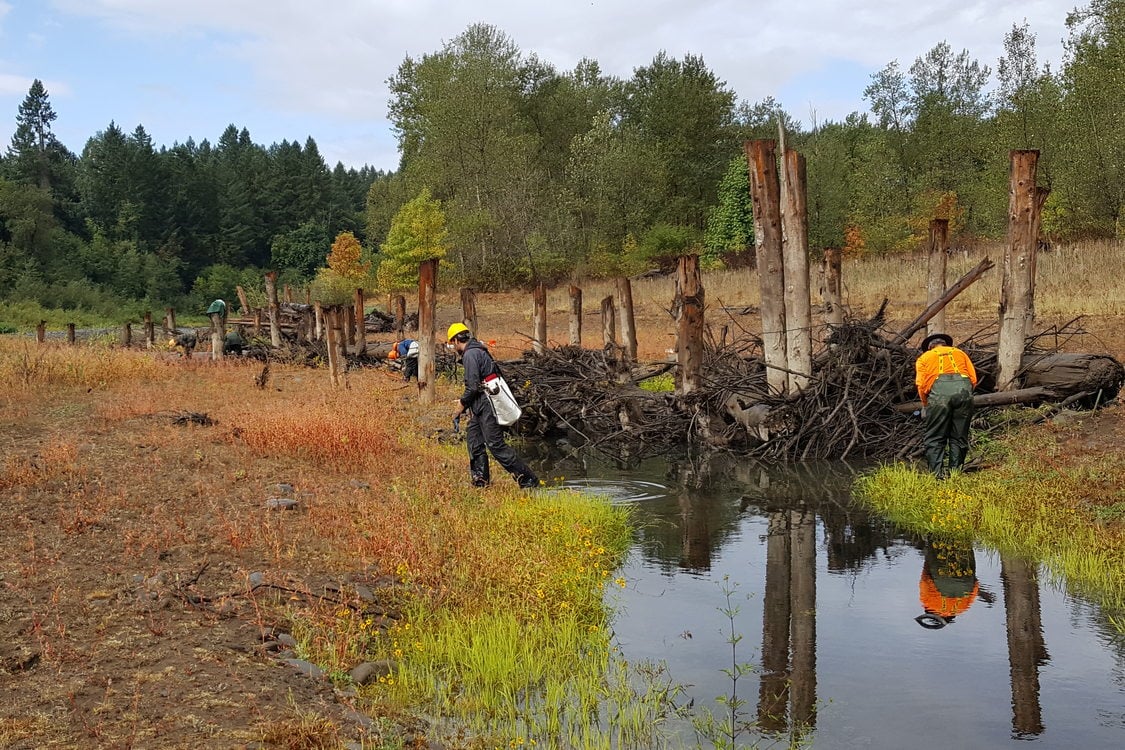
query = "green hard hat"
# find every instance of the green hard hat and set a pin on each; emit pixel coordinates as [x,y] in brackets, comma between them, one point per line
[218,306]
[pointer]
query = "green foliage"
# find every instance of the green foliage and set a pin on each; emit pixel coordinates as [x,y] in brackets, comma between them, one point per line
[417,234]
[302,249]
[663,244]
[730,223]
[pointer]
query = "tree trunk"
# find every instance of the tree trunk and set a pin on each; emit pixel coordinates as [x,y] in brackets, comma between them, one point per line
[935,277]
[399,304]
[469,309]
[539,318]
[689,329]
[575,316]
[1017,293]
[795,244]
[274,308]
[628,321]
[427,309]
[766,193]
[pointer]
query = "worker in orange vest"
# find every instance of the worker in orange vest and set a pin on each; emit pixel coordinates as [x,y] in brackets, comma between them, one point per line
[945,378]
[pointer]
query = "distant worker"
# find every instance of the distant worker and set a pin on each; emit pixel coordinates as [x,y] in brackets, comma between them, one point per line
[949,584]
[945,378]
[483,430]
[186,340]
[234,342]
[406,351]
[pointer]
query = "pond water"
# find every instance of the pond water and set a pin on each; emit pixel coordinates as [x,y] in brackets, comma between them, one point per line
[829,599]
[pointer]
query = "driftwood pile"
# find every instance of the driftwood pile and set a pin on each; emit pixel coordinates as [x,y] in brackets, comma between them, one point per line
[858,404]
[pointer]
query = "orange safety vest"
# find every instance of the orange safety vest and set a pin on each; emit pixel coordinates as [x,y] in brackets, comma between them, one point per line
[941,360]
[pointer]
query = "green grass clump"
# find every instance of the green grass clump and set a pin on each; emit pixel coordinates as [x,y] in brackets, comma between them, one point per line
[665,383]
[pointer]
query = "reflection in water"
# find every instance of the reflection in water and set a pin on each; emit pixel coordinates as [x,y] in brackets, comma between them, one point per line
[726,514]
[1027,651]
[949,584]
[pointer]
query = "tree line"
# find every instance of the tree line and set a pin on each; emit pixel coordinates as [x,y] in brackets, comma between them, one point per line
[515,171]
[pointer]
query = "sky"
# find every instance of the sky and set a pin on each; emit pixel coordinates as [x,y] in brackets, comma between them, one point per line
[288,69]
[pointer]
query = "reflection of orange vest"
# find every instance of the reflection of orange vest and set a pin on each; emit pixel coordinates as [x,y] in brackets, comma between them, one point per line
[937,603]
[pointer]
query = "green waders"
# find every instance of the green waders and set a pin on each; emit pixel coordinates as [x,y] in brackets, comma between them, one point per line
[949,409]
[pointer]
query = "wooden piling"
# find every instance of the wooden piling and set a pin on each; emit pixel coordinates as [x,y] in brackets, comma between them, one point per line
[349,325]
[575,316]
[1017,294]
[609,330]
[765,191]
[334,334]
[150,332]
[399,305]
[689,328]
[319,328]
[938,251]
[41,331]
[170,320]
[127,334]
[218,333]
[274,309]
[70,333]
[1027,651]
[795,249]
[469,309]
[628,322]
[257,329]
[833,294]
[360,324]
[773,685]
[242,301]
[539,318]
[288,293]
[427,311]
[802,595]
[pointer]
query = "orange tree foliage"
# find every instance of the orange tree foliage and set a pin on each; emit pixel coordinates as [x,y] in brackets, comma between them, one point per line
[345,258]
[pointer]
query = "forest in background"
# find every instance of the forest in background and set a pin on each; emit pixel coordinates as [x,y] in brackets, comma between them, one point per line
[514,171]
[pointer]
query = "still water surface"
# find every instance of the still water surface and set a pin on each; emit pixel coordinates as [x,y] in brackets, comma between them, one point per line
[829,595]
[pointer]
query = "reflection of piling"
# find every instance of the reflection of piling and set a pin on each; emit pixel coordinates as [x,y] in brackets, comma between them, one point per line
[773,690]
[802,524]
[696,528]
[1026,648]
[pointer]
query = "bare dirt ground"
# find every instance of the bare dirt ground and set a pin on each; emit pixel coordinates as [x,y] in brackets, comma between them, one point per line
[143,578]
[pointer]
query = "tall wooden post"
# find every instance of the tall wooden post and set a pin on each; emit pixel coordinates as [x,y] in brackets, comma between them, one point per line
[575,316]
[360,324]
[334,334]
[308,295]
[319,327]
[242,301]
[938,251]
[628,322]
[257,321]
[833,294]
[609,330]
[41,331]
[1017,295]
[274,309]
[795,248]
[539,318]
[349,325]
[689,328]
[289,293]
[150,332]
[427,311]
[218,333]
[766,193]
[127,334]
[70,333]
[399,304]
[469,309]
[170,320]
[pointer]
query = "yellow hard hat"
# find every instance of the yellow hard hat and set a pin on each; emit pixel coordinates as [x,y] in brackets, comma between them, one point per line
[455,329]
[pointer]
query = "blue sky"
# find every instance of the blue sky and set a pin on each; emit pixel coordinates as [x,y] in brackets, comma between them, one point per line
[288,69]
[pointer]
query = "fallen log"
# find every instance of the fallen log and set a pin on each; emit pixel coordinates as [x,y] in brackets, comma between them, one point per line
[1000,398]
[1067,374]
[937,306]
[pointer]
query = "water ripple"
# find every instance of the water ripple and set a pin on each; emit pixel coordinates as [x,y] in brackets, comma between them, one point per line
[619,490]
